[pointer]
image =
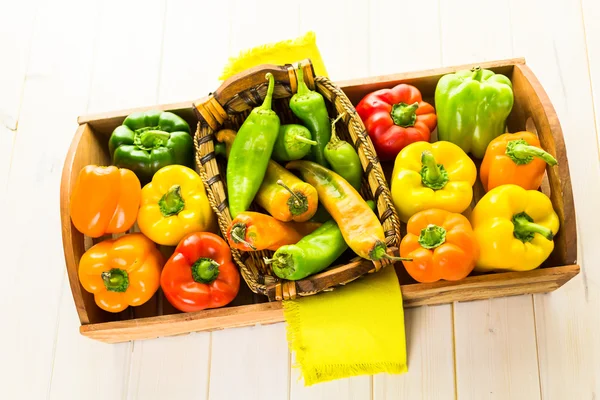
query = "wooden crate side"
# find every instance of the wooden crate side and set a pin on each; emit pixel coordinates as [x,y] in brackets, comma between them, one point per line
[86,148]
[531,101]
[473,288]
[425,80]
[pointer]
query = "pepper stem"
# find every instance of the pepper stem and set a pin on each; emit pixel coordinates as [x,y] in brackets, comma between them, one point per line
[379,252]
[477,73]
[205,270]
[115,280]
[171,203]
[238,233]
[525,229]
[302,88]
[432,236]
[334,137]
[404,115]
[286,187]
[297,203]
[433,175]
[302,139]
[266,105]
[149,139]
[522,152]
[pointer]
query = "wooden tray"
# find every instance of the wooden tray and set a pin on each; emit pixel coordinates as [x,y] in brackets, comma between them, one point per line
[532,110]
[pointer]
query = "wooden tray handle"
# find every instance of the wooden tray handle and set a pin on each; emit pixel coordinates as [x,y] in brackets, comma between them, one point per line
[533,103]
[247,90]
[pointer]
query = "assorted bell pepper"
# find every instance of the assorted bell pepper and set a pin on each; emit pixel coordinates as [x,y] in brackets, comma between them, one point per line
[510,229]
[432,175]
[148,141]
[200,274]
[395,118]
[472,107]
[515,158]
[515,228]
[121,272]
[105,200]
[441,244]
[173,205]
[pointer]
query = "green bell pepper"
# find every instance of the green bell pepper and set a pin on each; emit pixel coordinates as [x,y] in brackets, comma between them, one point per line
[148,141]
[472,107]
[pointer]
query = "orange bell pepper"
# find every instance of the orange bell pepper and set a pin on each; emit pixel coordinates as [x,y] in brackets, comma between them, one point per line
[441,244]
[105,200]
[121,272]
[515,158]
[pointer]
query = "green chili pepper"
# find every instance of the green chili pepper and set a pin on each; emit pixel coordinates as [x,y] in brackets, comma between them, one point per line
[250,153]
[312,254]
[310,107]
[343,158]
[150,140]
[293,143]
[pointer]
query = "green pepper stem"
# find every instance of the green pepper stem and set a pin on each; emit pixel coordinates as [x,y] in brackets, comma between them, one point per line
[305,140]
[477,74]
[269,260]
[115,280]
[171,203]
[522,152]
[205,270]
[525,229]
[433,175]
[151,138]
[286,187]
[379,252]
[302,88]
[404,115]
[334,137]
[432,236]
[266,105]
[238,233]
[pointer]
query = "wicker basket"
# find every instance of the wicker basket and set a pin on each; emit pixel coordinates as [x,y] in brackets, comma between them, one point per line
[227,108]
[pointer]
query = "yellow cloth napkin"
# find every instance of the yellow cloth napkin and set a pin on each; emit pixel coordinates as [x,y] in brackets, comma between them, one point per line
[280,53]
[357,329]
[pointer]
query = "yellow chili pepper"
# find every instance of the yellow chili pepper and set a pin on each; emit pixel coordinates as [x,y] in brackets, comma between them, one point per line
[514,228]
[173,205]
[432,175]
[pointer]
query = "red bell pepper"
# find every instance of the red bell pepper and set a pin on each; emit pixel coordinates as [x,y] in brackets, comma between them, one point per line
[395,118]
[200,273]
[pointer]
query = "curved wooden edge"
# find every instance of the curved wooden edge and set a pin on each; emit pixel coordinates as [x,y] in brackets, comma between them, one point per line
[540,109]
[540,280]
[71,238]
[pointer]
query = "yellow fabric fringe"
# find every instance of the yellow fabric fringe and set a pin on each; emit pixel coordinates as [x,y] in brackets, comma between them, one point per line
[354,330]
[280,53]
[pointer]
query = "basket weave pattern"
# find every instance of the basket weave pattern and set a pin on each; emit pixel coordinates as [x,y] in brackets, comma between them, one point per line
[231,114]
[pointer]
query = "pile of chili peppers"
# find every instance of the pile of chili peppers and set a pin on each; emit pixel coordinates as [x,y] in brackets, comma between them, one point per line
[305,181]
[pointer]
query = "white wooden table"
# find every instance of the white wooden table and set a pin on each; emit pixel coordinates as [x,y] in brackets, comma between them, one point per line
[64,58]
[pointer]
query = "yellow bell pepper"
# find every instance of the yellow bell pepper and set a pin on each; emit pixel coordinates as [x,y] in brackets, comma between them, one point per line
[514,228]
[173,205]
[432,175]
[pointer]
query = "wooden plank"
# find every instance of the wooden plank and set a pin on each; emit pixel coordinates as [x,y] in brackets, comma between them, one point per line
[249,363]
[495,357]
[126,63]
[171,368]
[430,348]
[16,29]
[56,76]
[568,319]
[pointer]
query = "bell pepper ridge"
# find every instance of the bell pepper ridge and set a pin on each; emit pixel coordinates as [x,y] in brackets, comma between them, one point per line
[522,153]
[171,203]
[433,175]
[205,270]
[115,280]
[432,236]
[525,228]
[404,115]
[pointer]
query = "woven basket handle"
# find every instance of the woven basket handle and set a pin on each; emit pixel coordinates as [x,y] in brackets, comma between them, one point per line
[248,89]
